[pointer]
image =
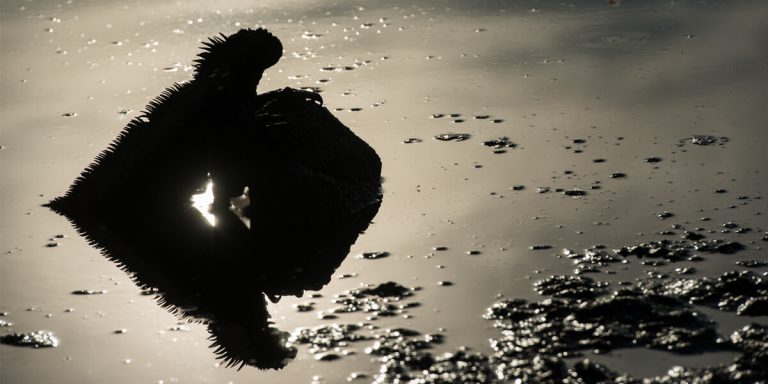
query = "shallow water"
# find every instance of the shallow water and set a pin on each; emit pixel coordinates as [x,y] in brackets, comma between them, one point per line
[568,83]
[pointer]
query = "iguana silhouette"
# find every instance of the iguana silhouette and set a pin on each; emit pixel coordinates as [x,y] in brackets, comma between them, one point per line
[297,160]
[312,184]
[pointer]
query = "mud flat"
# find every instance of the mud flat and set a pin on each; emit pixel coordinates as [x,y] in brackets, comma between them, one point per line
[613,228]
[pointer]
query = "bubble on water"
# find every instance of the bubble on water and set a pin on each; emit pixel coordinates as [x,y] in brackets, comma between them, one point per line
[453,137]
[69,114]
[617,175]
[373,255]
[88,292]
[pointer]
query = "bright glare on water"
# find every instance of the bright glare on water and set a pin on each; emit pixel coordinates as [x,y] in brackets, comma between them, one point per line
[203,203]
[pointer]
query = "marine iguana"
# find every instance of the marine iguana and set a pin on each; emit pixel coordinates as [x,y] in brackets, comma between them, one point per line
[283,145]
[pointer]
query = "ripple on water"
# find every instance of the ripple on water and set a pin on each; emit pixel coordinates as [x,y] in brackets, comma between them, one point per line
[616,40]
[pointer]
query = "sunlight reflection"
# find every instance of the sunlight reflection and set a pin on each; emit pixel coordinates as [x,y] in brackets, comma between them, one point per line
[203,202]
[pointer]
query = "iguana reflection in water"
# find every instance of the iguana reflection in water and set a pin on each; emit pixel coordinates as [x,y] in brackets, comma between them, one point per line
[311,185]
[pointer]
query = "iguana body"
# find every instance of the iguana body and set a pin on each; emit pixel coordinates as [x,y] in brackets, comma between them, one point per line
[298,161]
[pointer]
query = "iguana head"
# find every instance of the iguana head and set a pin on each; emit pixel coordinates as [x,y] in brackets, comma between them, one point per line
[238,60]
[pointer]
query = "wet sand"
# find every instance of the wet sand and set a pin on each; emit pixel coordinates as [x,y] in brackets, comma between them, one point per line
[568,84]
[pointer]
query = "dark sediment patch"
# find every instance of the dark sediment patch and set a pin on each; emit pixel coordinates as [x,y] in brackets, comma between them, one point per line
[328,337]
[35,339]
[753,263]
[453,137]
[85,292]
[704,140]
[573,287]
[537,339]
[373,255]
[382,300]
[499,143]
[745,292]
[575,192]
